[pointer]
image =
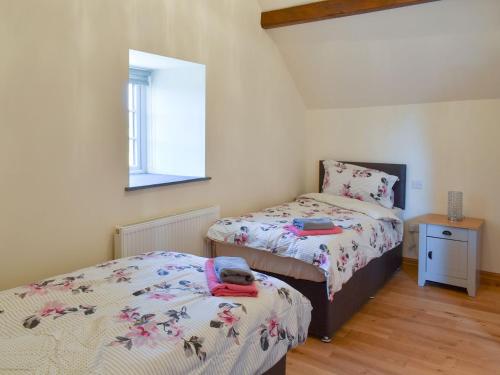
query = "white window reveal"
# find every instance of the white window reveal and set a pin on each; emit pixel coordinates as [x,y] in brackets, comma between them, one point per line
[166,107]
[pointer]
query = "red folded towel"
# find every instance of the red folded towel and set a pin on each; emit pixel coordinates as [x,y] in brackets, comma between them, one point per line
[219,289]
[314,232]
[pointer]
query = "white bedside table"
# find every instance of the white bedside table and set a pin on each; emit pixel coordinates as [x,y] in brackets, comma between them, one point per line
[449,252]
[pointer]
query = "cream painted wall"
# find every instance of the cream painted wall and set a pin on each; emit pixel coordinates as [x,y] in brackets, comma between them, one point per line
[63,144]
[450,145]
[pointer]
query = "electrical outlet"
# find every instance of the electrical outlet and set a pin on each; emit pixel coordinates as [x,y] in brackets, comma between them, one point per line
[417,184]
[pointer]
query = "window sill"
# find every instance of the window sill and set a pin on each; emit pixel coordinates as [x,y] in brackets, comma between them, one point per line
[149,180]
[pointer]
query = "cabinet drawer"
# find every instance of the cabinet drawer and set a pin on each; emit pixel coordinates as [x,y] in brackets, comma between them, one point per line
[440,231]
[446,258]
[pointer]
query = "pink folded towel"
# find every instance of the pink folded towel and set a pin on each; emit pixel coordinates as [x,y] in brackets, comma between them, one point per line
[314,232]
[219,289]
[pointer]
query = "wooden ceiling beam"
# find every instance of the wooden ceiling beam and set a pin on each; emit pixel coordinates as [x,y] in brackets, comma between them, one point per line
[327,9]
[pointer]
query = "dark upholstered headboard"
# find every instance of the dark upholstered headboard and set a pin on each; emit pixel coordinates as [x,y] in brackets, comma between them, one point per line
[392,169]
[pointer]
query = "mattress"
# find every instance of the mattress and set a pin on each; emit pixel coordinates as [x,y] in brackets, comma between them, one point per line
[268,262]
[369,231]
[147,314]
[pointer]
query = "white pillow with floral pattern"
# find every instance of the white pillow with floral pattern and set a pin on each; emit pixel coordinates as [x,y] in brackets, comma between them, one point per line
[364,184]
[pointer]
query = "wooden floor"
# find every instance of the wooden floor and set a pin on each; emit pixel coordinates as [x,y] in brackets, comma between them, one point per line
[411,330]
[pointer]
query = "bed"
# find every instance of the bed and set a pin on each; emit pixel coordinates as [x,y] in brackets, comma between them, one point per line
[148,314]
[302,263]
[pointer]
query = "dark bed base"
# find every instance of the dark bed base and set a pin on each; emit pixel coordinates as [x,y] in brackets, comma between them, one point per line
[278,369]
[328,317]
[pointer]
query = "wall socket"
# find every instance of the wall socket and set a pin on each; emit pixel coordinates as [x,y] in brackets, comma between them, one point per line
[417,184]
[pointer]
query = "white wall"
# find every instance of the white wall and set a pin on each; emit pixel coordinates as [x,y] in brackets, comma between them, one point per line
[177,141]
[449,146]
[63,147]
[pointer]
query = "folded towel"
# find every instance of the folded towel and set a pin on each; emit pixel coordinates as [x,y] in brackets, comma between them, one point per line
[233,270]
[315,232]
[224,289]
[313,223]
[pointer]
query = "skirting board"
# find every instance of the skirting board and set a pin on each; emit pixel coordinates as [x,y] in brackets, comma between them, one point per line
[487,278]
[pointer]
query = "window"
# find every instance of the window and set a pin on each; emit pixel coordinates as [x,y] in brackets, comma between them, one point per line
[166,129]
[138,95]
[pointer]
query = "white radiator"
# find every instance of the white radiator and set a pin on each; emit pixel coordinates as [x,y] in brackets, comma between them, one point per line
[183,233]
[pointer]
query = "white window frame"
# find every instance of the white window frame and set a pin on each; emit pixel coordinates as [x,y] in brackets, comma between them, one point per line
[141,79]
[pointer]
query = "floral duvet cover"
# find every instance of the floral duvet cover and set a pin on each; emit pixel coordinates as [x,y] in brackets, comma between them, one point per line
[148,314]
[369,231]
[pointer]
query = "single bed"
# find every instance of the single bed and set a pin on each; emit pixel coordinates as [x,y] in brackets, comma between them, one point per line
[301,263]
[148,314]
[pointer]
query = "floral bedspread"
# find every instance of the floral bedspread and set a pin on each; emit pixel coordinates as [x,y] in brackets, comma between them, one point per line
[369,231]
[149,314]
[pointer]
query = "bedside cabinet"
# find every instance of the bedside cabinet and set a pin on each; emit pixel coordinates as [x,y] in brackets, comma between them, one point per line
[449,252]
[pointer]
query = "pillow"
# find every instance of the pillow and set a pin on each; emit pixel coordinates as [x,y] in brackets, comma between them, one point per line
[357,182]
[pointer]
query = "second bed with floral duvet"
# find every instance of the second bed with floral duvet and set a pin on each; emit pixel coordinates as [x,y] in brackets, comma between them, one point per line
[148,314]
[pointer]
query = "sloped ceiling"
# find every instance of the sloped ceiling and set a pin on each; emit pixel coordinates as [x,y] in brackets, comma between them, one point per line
[441,51]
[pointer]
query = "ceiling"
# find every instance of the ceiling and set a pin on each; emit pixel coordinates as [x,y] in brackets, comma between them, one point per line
[442,51]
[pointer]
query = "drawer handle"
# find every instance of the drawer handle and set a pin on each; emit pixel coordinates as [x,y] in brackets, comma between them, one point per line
[429,254]
[446,233]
